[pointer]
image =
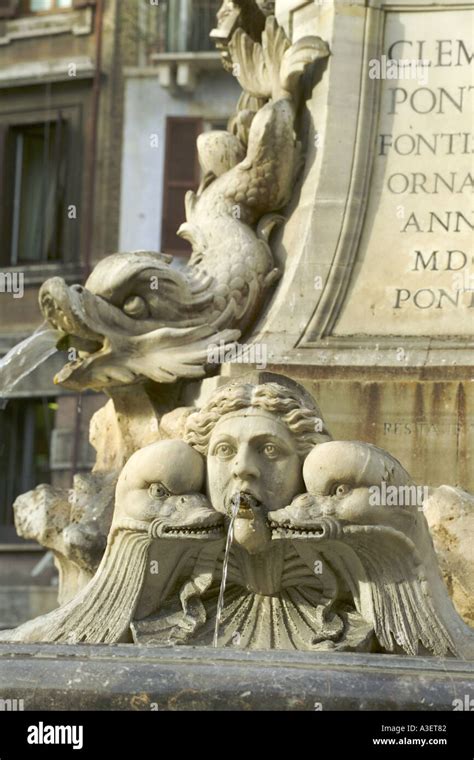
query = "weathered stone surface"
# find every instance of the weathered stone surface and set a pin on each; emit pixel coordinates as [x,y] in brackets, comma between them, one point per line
[138,318]
[414,257]
[450,515]
[139,323]
[191,678]
[73,524]
[279,497]
[343,247]
[258,530]
[428,425]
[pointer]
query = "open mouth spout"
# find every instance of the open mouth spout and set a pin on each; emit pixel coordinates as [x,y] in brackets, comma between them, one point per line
[95,333]
[203,525]
[244,505]
[250,528]
[68,310]
[317,528]
[64,308]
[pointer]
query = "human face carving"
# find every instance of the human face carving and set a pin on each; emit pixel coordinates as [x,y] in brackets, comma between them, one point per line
[254,453]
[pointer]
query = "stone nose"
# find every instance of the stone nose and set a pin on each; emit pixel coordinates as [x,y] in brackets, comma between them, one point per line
[245,464]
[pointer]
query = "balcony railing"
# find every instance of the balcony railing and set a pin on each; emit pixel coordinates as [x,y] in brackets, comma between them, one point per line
[184,25]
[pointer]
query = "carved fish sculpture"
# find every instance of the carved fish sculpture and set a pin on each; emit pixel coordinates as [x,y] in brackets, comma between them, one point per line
[383,555]
[157,502]
[138,317]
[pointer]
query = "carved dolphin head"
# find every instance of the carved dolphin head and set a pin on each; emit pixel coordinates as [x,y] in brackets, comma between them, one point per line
[160,485]
[354,482]
[112,324]
[348,477]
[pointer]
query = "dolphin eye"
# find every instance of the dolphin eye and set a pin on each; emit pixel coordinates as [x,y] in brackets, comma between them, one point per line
[340,489]
[158,491]
[135,307]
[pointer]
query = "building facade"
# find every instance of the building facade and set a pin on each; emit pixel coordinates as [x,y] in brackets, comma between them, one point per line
[180,91]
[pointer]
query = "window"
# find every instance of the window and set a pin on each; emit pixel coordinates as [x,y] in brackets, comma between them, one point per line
[182,173]
[46,6]
[9,8]
[25,434]
[33,192]
[184,25]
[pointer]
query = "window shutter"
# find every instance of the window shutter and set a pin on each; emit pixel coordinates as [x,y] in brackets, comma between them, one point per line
[9,8]
[4,193]
[55,191]
[182,173]
[7,168]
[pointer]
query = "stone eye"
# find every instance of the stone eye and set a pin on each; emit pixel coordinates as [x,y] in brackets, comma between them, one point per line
[224,450]
[158,491]
[135,307]
[270,450]
[340,490]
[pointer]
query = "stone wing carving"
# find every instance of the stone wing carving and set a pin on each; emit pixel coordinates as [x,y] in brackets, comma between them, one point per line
[450,515]
[383,553]
[393,589]
[170,514]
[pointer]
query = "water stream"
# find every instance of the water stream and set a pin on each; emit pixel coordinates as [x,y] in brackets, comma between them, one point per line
[235,505]
[25,357]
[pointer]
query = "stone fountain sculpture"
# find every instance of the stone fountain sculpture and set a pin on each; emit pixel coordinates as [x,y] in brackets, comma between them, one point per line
[139,327]
[256,530]
[241,523]
[138,318]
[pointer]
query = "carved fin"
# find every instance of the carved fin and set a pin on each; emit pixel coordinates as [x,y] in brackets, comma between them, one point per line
[169,353]
[190,201]
[193,235]
[272,69]
[267,224]
[298,57]
[250,66]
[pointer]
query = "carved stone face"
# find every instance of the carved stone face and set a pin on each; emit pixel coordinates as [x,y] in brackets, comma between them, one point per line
[252,452]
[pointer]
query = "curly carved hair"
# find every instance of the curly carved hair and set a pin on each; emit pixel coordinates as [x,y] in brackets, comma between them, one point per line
[305,423]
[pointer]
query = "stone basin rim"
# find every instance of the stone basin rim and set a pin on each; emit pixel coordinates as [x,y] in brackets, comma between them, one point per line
[206,656]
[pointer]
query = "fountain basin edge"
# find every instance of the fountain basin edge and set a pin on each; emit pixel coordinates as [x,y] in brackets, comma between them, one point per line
[134,677]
